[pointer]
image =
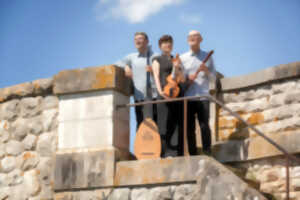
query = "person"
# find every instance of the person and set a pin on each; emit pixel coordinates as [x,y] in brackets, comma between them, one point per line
[138,67]
[169,115]
[199,85]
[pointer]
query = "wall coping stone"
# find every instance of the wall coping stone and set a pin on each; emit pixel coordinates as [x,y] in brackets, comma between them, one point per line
[34,88]
[91,79]
[271,74]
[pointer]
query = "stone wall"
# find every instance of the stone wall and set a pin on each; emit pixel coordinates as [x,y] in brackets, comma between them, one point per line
[65,138]
[28,123]
[269,100]
[271,174]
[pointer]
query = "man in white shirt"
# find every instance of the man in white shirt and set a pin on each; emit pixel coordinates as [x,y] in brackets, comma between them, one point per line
[199,85]
[137,66]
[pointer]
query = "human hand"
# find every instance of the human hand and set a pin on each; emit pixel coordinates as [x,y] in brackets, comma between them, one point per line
[149,68]
[128,72]
[204,68]
[192,77]
[163,94]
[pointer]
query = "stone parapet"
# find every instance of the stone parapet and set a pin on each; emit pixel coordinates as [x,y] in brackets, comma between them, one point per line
[90,79]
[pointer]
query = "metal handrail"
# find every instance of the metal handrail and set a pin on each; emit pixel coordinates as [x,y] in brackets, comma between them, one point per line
[210,98]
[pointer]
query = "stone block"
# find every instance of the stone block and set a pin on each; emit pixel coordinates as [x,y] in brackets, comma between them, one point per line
[92,120]
[86,133]
[9,110]
[91,79]
[256,147]
[268,75]
[84,169]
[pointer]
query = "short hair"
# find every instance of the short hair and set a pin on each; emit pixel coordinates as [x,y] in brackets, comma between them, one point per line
[165,38]
[143,34]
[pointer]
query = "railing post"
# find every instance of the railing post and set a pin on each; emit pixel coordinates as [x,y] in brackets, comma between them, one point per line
[185,141]
[287,177]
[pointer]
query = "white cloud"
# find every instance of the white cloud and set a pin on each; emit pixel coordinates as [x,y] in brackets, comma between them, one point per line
[190,18]
[134,11]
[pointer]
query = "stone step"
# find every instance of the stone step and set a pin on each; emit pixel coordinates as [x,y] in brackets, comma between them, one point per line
[241,172]
[212,179]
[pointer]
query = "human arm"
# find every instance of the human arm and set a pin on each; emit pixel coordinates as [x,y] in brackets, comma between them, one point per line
[156,70]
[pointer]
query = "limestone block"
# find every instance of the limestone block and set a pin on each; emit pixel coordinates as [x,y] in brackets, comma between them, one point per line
[293,97]
[84,169]
[43,85]
[8,164]
[29,142]
[279,113]
[19,90]
[49,120]
[35,125]
[283,87]
[166,192]
[86,133]
[120,193]
[86,106]
[19,129]
[31,182]
[4,131]
[257,105]
[2,151]
[15,177]
[91,79]
[9,110]
[256,147]
[29,160]
[92,120]
[30,106]
[14,147]
[4,192]
[186,191]
[140,194]
[46,144]
[3,180]
[45,168]
[277,100]
[50,102]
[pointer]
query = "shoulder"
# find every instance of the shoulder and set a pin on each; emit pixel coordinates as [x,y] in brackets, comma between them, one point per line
[132,55]
[184,55]
[156,57]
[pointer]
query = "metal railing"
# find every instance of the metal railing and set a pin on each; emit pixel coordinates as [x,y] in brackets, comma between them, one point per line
[185,100]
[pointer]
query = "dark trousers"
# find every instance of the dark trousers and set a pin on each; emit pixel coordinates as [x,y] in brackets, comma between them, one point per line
[145,111]
[201,109]
[170,124]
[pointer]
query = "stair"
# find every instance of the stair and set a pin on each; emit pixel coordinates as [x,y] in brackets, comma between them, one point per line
[213,180]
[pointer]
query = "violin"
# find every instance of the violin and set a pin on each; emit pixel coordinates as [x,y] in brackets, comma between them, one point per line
[172,89]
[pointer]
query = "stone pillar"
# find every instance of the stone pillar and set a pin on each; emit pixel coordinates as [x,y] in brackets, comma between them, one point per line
[92,132]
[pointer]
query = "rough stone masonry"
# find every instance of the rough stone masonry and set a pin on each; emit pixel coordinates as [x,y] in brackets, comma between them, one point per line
[43,157]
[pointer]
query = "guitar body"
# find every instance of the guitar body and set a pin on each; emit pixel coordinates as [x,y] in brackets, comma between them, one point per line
[147,143]
[171,89]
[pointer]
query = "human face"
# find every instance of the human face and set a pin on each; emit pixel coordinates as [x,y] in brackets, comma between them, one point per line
[166,47]
[140,42]
[194,40]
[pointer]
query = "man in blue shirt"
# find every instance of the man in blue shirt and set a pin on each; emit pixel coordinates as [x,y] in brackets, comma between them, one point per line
[191,61]
[138,67]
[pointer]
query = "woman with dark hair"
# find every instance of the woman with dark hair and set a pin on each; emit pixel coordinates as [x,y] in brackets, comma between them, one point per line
[169,115]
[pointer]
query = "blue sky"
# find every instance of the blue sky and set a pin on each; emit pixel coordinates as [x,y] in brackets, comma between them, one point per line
[40,38]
